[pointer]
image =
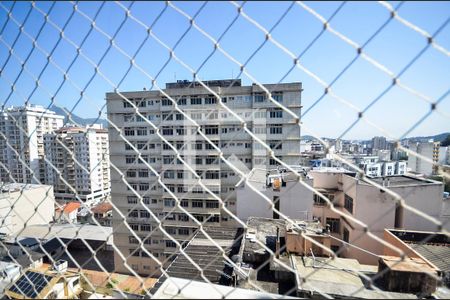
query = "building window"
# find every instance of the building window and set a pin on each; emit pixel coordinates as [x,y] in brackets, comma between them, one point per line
[182,101]
[166,102]
[171,230]
[183,231]
[212,204]
[169,202]
[127,103]
[276,129]
[211,130]
[276,113]
[129,131]
[210,100]
[346,236]
[197,203]
[334,225]
[213,219]
[277,96]
[260,98]
[348,204]
[170,244]
[320,202]
[196,100]
[132,199]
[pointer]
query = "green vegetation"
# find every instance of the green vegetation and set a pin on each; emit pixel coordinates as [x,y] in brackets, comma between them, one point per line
[442,179]
[446,142]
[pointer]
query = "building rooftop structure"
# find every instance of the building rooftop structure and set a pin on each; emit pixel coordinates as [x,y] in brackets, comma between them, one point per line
[69,231]
[432,247]
[402,180]
[16,187]
[179,288]
[35,284]
[207,256]
[210,83]
[102,208]
[71,206]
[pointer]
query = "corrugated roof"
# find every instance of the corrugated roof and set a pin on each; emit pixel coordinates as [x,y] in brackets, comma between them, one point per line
[439,255]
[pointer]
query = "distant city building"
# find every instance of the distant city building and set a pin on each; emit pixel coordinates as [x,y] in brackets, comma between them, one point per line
[67,213]
[379,143]
[102,213]
[444,155]
[22,142]
[429,150]
[78,162]
[270,123]
[21,204]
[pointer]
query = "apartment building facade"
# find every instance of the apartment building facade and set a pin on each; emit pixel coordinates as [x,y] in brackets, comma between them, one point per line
[152,144]
[429,150]
[22,142]
[80,155]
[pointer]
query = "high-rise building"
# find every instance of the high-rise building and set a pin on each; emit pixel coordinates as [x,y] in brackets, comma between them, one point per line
[429,150]
[22,142]
[78,163]
[379,143]
[145,141]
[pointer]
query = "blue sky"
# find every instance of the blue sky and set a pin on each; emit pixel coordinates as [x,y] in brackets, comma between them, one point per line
[394,47]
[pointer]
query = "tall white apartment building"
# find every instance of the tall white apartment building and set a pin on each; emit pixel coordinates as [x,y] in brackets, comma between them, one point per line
[271,124]
[429,150]
[22,142]
[81,157]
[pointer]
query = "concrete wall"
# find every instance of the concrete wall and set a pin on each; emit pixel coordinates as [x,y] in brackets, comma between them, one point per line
[377,210]
[295,201]
[25,204]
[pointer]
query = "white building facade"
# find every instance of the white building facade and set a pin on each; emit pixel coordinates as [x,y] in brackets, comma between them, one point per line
[81,157]
[22,142]
[138,146]
[429,150]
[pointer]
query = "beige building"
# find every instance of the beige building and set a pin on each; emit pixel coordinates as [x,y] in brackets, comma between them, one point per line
[270,123]
[79,155]
[289,194]
[22,151]
[24,205]
[373,207]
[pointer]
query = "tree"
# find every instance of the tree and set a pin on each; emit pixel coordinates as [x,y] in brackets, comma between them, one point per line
[446,142]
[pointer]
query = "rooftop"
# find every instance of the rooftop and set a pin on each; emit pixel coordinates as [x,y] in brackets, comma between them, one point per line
[336,277]
[210,83]
[15,187]
[433,246]
[178,288]
[402,180]
[69,231]
[102,208]
[71,206]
